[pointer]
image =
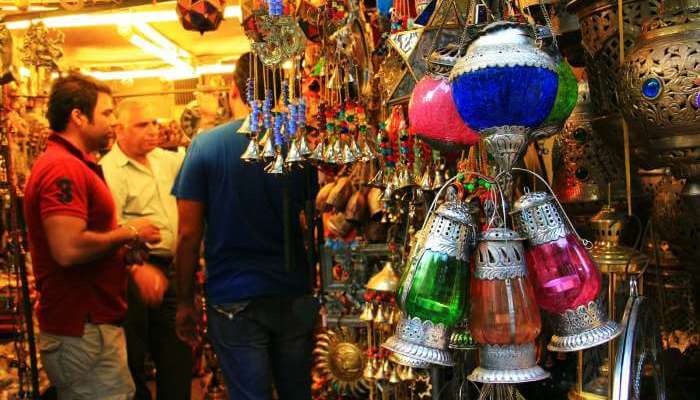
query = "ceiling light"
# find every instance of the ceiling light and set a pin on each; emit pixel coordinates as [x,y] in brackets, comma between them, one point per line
[114,18]
[159,39]
[29,9]
[168,55]
[171,74]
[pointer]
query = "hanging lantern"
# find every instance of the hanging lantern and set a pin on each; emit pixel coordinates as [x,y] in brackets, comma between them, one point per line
[505,319]
[608,253]
[433,288]
[566,279]
[567,93]
[504,87]
[660,93]
[200,15]
[444,130]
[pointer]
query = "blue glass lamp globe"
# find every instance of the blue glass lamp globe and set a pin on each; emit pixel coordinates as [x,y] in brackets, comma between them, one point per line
[504,80]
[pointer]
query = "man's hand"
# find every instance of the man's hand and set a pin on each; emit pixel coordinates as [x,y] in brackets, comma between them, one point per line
[186,321]
[151,283]
[147,231]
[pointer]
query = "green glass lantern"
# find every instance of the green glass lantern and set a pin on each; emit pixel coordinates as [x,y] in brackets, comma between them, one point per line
[434,287]
[564,103]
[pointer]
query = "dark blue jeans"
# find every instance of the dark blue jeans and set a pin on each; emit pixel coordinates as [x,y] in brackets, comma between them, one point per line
[268,340]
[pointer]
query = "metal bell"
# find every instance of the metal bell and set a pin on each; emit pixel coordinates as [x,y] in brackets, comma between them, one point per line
[378,180]
[439,181]
[268,152]
[330,155]
[293,155]
[317,154]
[404,180]
[369,370]
[304,149]
[426,182]
[277,167]
[379,374]
[389,191]
[367,314]
[408,374]
[356,150]
[348,155]
[245,126]
[394,376]
[386,366]
[379,316]
[251,153]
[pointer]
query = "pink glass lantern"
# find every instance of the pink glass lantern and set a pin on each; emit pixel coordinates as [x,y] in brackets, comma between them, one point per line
[432,112]
[564,276]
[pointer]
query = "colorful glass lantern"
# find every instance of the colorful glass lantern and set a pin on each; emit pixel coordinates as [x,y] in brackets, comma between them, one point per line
[505,319]
[434,287]
[566,279]
[567,94]
[200,15]
[443,130]
[504,87]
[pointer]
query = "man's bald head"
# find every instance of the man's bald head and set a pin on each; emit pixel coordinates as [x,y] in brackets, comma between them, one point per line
[125,109]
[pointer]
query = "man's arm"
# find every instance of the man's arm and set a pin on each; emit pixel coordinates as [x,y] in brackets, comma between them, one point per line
[190,228]
[71,243]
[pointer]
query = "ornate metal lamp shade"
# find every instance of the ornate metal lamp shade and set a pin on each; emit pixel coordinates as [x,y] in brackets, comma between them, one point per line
[660,91]
[504,87]
[434,288]
[431,110]
[566,279]
[611,256]
[567,93]
[505,319]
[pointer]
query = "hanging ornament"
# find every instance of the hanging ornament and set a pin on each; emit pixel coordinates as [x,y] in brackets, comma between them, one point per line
[341,359]
[504,87]
[566,279]
[433,289]
[505,319]
[200,15]
[660,93]
[444,131]
[567,94]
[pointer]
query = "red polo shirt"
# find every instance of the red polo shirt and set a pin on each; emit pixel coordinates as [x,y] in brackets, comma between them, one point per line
[65,181]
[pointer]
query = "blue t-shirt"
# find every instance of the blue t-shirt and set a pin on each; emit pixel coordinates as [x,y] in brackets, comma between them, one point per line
[244,216]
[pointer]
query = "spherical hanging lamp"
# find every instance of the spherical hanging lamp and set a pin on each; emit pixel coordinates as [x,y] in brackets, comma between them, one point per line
[567,94]
[431,110]
[504,87]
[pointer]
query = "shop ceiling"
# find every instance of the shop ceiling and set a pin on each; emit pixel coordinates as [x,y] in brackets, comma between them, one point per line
[106,43]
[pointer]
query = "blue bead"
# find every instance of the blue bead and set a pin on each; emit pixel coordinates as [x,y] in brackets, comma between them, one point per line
[651,88]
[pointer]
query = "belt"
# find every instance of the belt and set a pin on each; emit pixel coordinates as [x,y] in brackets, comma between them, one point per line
[161,261]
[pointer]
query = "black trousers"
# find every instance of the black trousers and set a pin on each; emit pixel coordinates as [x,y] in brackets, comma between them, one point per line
[152,330]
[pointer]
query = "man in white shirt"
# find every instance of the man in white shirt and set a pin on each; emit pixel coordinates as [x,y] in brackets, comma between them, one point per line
[140,176]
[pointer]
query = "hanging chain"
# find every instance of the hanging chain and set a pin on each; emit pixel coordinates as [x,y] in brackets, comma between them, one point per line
[548,21]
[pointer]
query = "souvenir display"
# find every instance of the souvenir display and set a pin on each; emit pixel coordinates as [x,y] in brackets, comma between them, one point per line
[502,195]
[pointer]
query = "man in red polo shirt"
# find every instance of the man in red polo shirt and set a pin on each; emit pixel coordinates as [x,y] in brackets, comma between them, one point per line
[75,246]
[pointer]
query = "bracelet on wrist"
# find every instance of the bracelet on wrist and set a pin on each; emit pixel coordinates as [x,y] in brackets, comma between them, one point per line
[134,230]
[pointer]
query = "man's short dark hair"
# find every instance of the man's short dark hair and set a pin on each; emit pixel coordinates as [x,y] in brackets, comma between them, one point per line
[244,67]
[74,91]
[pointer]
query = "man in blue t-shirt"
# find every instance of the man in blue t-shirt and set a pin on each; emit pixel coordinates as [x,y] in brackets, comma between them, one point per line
[260,315]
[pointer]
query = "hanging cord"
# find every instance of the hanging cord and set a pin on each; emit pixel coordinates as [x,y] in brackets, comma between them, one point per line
[587,243]
[625,128]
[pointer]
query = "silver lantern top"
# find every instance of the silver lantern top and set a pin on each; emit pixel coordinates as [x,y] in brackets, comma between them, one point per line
[451,229]
[538,217]
[500,255]
[503,44]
